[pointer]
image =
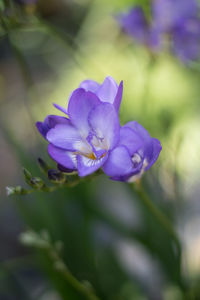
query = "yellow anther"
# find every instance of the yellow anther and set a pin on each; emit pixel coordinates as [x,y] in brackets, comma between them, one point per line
[92,156]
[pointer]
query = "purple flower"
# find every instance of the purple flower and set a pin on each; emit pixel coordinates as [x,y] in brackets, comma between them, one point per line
[108,92]
[169,13]
[136,152]
[92,138]
[186,40]
[83,142]
[180,20]
[135,23]
[177,19]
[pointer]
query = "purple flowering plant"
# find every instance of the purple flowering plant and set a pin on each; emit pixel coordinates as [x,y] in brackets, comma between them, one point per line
[176,20]
[90,137]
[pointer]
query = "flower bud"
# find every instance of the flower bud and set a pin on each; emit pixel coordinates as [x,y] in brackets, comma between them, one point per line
[43,165]
[37,183]
[27,174]
[10,190]
[56,176]
[18,190]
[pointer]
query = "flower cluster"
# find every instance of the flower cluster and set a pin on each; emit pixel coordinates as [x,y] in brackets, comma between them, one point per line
[90,136]
[176,19]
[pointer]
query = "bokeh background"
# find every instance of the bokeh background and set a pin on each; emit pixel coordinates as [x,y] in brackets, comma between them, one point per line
[108,237]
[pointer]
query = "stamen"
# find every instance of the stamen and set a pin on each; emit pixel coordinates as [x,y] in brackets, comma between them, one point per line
[90,155]
[103,155]
[93,156]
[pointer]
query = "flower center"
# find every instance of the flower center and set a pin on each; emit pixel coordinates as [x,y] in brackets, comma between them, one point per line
[93,156]
[136,159]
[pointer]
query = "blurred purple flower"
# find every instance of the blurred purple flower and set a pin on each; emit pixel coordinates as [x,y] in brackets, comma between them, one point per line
[186,40]
[91,136]
[177,19]
[135,24]
[167,14]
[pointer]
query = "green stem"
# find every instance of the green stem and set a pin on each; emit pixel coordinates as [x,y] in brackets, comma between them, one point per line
[60,266]
[158,215]
[78,286]
[42,241]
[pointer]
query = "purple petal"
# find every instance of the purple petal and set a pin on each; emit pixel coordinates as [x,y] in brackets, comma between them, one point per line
[119,162]
[63,169]
[151,147]
[87,166]
[118,97]
[138,129]
[153,152]
[89,85]
[131,139]
[50,122]
[104,122]
[66,158]
[80,105]
[65,137]
[136,171]
[42,128]
[64,110]
[108,90]
[135,24]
